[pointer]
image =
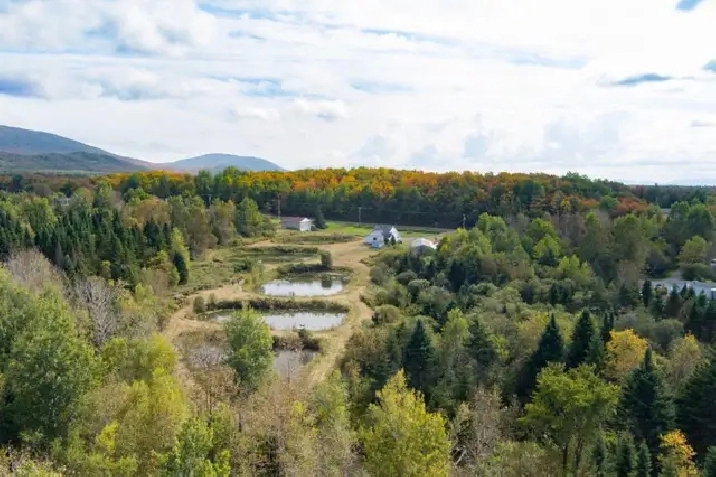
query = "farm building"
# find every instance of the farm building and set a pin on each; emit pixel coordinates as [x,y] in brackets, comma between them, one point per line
[421,246]
[709,289]
[302,224]
[382,233]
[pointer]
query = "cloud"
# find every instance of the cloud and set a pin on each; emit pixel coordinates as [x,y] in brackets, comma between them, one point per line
[443,85]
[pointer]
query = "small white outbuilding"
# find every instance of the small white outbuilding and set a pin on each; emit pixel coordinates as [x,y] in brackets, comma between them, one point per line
[421,245]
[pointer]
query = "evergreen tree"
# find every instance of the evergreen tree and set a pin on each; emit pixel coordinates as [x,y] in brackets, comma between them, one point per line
[646,293]
[582,345]
[419,359]
[643,461]
[625,464]
[601,458]
[318,219]
[182,269]
[481,347]
[710,462]
[647,408]
[550,349]
[696,407]
[607,327]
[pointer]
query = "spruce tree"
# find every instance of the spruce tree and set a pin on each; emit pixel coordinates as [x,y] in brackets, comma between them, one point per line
[318,218]
[696,407]
[419,359]
[646,293]
[582,345]
[601,458]
[647,408]
[550,349]
[481,348]
[643,461]
[710,462]
[625,456]
[182,269]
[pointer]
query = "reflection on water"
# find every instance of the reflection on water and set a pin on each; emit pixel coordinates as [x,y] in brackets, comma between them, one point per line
[304,287]
[309,320]
[289,363]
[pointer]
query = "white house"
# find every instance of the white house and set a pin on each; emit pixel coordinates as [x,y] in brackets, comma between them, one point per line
[421,245]
[382,233]
[302,224]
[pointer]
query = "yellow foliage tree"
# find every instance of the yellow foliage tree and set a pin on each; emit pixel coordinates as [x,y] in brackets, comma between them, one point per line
[625,351]
[404,438]
[676,455]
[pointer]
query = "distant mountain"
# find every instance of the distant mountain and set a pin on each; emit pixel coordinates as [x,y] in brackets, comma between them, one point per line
[25,150]
[78,162]
[29,142]
[219,162]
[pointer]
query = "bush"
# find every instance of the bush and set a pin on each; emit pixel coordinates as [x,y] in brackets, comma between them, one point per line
[199,305]
[326,260]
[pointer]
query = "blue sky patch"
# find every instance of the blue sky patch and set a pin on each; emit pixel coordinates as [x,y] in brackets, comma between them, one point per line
[377,87]
[643,78]
[687,5]
[412,36]
[17,88]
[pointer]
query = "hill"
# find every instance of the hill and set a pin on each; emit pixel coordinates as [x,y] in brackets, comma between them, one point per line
[219,162]
[28,142]
[26,150]
[87,162]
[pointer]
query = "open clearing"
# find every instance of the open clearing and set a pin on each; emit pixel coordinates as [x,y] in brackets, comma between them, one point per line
[347,254]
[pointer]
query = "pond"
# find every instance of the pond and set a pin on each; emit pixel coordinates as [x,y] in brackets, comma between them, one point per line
[288,363]
[304,286]
[310,320]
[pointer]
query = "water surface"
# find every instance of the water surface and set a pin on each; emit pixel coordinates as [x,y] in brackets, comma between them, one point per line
[302,286]
[310,320]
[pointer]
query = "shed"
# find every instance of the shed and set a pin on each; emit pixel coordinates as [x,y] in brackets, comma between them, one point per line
[302,224]
[421,246]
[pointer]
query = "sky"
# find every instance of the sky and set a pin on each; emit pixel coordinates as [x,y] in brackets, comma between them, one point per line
[620,89]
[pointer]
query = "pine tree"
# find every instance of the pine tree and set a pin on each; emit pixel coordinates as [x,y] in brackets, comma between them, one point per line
[182,269]
[318,219]
[601,458]
[625,457]
[646,293]
[647,407]
[696,407]
[582,345]
[481,347]
[643,461]
[550,349]
[710,463]
[607,327]
[419,359]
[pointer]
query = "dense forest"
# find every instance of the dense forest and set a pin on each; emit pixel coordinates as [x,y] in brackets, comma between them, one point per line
[534,341]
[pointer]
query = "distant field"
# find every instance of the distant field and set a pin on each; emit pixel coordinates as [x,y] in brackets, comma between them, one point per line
[361,230]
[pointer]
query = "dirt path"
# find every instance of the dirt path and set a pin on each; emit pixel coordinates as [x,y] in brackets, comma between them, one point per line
[348,255]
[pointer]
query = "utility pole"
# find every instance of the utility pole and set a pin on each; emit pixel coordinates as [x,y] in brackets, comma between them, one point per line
[360,223]
[278,201]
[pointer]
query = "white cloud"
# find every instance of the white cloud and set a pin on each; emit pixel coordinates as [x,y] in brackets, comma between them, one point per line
[449,84]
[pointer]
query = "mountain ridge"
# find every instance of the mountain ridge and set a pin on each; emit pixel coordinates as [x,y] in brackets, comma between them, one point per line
[28,150]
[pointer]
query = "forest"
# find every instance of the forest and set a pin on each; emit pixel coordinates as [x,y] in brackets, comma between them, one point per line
[537,339]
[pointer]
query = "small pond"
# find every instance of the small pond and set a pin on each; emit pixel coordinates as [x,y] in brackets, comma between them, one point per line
[304,286]
[288,363]
[310,320]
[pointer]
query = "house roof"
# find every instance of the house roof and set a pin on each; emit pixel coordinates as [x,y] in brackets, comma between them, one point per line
[294,219]
[422,242]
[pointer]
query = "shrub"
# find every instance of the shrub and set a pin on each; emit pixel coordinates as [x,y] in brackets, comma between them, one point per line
[199,305]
